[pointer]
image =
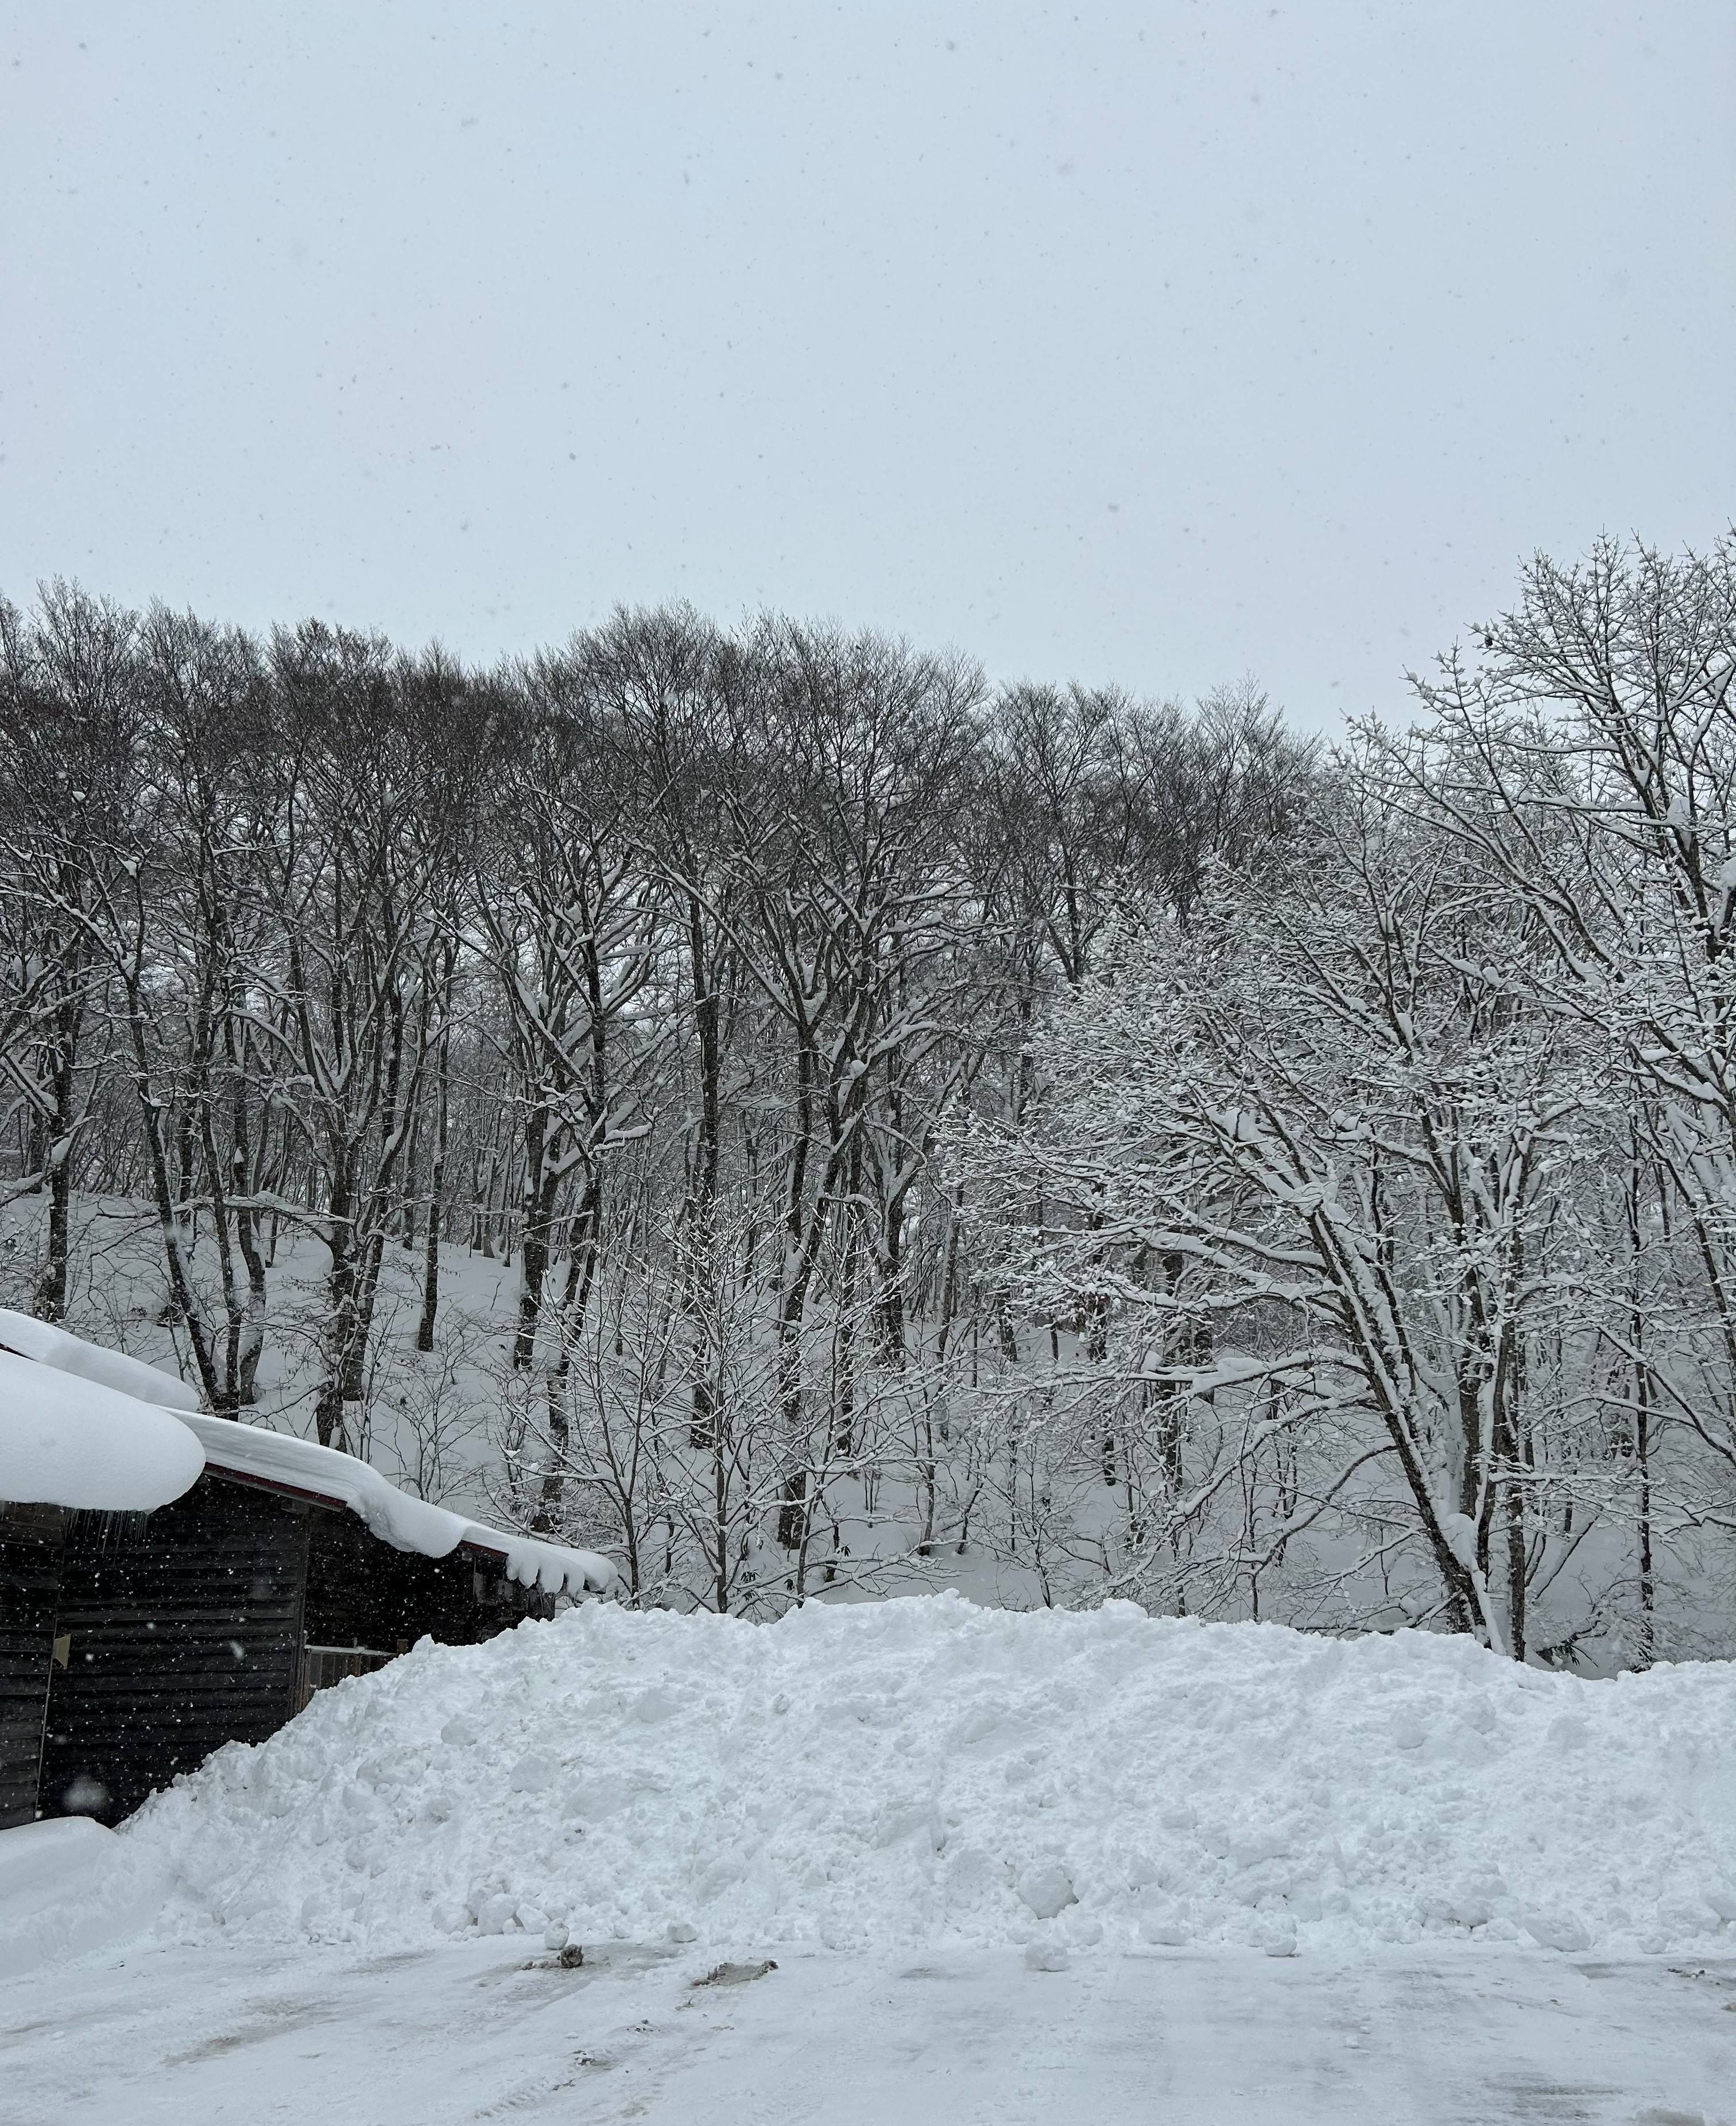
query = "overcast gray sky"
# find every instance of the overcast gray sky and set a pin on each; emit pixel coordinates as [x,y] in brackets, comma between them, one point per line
[1154,343]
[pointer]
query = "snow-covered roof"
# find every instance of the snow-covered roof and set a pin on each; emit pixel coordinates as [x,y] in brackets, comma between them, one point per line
[68,1353]
[68,1441]
[280,1459]
[77,1430]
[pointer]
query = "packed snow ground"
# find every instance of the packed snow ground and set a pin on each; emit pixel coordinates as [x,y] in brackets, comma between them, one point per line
[923,1775]
[248,2034]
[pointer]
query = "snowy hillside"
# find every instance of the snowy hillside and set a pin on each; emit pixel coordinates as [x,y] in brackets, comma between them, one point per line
[923,1772]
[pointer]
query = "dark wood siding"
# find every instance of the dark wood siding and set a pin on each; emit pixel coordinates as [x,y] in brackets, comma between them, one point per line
[363,1593]
[31,1540]
[185,1628]
[186,1634]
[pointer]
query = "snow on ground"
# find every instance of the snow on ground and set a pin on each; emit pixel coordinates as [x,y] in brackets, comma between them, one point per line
[894,1805]
[923,1774]
[243,2034]
[67,1886]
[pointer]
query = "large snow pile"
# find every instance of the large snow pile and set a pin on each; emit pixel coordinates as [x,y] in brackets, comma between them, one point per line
[924,1772]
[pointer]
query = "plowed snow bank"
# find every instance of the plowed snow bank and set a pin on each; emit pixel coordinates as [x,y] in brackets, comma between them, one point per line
[923,1772]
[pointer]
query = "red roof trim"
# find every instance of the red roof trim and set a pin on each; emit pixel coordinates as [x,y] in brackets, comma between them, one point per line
[259,1483]
[337,1505]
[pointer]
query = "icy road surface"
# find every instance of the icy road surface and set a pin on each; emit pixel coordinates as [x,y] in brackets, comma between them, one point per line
[196,2035]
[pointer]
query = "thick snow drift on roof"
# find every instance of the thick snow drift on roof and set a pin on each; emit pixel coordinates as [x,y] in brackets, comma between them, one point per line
[68,1353]
[921,1772]
[69,1442]
[405,1523]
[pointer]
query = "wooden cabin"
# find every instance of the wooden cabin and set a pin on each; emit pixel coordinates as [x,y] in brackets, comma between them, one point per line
[139,1634]
[31,1538]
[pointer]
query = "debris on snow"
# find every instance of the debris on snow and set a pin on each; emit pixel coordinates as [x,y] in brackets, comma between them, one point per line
[1047,1890]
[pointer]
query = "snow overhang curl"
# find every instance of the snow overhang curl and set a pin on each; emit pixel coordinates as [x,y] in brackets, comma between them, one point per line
[50,1346]
[286,1463]
[67,1440]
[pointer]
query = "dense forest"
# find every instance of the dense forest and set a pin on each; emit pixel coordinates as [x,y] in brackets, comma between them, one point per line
[933,1129]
